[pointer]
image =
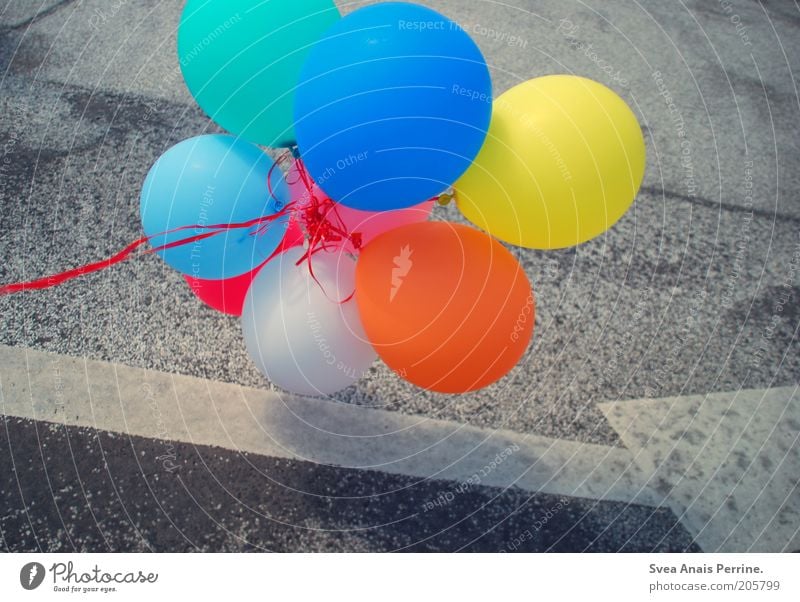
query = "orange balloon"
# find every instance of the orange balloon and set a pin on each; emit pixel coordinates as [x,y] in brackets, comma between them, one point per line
[446,306]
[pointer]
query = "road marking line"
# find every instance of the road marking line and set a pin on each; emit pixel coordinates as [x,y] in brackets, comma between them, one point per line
[112,397]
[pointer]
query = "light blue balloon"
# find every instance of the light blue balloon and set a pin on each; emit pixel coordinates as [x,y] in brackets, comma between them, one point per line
[392,106]
[209,180]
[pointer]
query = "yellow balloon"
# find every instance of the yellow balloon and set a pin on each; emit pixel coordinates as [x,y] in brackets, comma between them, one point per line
[562,163]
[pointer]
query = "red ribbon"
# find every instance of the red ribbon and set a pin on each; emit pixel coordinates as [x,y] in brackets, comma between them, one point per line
[127,252]
[324,227]
[325,230]
[320,230]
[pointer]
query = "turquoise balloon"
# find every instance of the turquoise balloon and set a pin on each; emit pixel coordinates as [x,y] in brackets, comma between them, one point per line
[241,60]
[206,181]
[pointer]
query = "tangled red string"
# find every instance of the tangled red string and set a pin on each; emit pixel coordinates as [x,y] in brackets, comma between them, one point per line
[128,252]
[319,217]
[317,214]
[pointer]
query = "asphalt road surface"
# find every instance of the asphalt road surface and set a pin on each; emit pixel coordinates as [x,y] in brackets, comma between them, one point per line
[656,409]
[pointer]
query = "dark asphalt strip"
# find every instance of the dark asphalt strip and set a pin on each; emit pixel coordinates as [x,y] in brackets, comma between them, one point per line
[73,489]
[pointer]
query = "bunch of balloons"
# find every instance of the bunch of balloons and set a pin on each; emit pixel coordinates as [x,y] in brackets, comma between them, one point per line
[328,254]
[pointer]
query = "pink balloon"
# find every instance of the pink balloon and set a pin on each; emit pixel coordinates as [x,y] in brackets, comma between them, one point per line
[369,224]
[372,223]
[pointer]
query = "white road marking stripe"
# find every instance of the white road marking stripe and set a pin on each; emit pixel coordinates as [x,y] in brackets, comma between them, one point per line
[111,397]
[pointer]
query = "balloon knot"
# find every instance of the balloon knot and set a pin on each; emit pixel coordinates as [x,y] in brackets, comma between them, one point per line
[445,198]
[319,217]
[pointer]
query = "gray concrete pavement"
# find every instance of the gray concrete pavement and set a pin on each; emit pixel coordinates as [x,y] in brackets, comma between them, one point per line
[684,296]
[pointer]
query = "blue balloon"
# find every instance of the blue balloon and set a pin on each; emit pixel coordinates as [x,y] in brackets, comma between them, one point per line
[392,106]
[209,180]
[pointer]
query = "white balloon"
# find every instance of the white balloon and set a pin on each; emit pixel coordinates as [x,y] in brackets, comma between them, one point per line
[298,332]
